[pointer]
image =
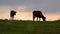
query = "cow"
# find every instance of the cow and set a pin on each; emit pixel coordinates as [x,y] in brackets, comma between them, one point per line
[12,13]
[39,15]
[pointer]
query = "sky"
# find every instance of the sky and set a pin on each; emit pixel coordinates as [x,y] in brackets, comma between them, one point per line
[50,8]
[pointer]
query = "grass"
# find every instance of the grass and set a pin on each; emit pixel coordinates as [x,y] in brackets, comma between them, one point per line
[29,27]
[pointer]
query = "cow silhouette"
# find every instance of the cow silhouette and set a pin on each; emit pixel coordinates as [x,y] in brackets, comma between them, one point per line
[39,15]
[12,13]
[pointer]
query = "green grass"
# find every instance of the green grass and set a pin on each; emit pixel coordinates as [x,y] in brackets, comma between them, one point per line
[29,27]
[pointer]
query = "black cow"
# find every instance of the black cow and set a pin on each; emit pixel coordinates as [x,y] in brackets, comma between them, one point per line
[12,13]
[39,15]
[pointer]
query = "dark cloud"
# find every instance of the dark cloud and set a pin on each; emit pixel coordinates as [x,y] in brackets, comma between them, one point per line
[48,6]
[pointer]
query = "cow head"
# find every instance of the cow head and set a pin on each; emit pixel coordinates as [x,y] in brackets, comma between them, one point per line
[14,13]
[44,18]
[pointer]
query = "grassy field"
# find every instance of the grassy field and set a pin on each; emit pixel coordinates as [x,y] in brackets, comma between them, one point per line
[29,27]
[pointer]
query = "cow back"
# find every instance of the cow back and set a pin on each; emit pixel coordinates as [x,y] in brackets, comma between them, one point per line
[37,13]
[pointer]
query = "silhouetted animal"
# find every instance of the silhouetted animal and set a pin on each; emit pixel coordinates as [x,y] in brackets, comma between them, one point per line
[12,13]
[39,15]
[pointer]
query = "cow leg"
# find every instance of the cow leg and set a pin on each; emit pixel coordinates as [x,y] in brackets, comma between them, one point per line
[37,18]
[44,18]
[33,18]
[12,18]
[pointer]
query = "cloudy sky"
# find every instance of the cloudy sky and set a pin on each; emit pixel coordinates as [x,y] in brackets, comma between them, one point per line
[50,8]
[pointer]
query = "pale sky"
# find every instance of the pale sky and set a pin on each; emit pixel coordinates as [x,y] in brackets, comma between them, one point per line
[50,8]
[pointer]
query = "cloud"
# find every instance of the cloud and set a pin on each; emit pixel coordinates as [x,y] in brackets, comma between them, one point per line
[47,6]
[52,16]
[21,8]
[23,16]
[28,16]
[4,15]
[4,9]
[25,7]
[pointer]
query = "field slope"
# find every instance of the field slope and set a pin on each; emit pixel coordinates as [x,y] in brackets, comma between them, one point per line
[29,27]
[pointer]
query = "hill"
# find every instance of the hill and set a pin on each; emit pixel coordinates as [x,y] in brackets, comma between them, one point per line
[29,27]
